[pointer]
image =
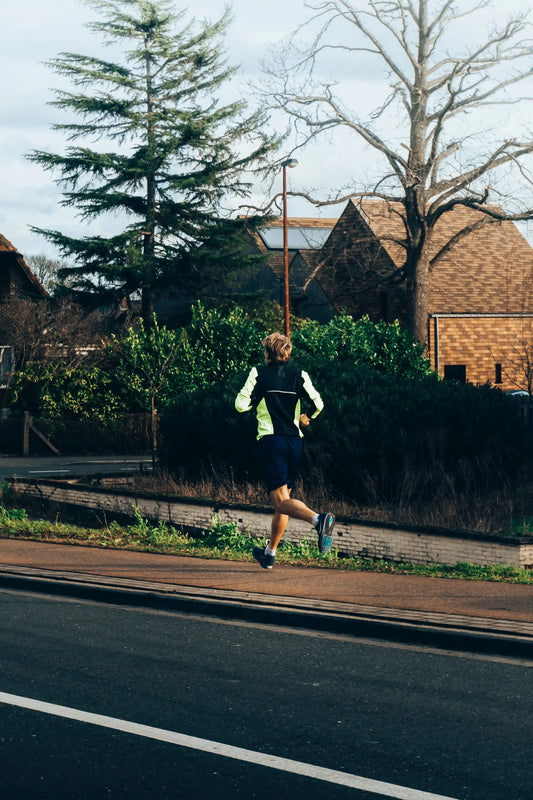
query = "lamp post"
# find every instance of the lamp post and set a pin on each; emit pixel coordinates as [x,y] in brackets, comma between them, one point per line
[289,162]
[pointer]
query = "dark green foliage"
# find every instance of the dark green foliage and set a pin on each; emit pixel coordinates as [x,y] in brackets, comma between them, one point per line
[385,439]
[218,344]
[144,364]
[203,434]
[55,390]
[202,429]
[390,430]
[176,153]
[387,348]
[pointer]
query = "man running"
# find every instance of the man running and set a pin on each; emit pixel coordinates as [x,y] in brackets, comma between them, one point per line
[276,392]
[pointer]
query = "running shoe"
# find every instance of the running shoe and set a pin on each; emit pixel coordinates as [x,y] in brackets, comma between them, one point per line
[260,556]
[324,528]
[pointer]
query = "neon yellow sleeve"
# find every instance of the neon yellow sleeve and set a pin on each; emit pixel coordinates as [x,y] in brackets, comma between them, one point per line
[243,401]
[312,394]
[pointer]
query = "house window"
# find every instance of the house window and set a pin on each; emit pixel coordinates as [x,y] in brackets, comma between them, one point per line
[497,373]
[455,372]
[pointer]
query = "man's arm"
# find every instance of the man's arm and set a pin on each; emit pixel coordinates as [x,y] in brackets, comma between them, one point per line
[243,401]
[313,396]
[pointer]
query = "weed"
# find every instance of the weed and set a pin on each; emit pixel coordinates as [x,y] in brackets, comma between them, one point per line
[226,536]
[163,535]
[141,527]
[12,513]
[225,540]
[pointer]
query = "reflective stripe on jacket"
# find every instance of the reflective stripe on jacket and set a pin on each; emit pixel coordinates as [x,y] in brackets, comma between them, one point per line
[277,392]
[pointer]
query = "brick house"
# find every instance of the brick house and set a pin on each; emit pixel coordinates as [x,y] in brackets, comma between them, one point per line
[306,237]
[480,315]
[16,278]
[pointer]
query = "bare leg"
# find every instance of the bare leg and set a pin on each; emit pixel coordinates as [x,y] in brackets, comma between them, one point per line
[278,528]
[285,507]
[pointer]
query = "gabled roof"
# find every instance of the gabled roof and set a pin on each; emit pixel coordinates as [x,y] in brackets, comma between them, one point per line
[354,260]
[7,247]
[304,234]
[479,265]
[301,274]
[488,269]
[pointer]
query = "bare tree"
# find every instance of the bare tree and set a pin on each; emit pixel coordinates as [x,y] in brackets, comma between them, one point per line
[48,331]
[46,270]
[519,365]
[432,152]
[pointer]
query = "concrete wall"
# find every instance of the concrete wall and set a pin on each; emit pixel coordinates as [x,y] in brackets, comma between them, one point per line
[352,537]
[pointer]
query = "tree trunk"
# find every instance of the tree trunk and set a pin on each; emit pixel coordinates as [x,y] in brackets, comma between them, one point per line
[417,275]
[147,305]
[148,292]
[417,263]
[153,432]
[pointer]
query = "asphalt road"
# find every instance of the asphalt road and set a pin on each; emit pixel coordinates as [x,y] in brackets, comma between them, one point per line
[64,466]
[449,725]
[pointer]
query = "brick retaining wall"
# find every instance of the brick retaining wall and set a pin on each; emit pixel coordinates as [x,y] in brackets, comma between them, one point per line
[352,537]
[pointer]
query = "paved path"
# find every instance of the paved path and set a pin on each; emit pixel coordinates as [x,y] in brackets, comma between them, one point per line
[471,606]
[289,584]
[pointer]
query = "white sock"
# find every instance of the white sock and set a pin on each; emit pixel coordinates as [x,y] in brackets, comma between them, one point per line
[315,520]
[269,552]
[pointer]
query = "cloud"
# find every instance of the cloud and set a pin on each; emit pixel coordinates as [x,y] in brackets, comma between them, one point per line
[35,31]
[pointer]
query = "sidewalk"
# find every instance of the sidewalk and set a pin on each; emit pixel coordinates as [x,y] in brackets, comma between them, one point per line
[477,607]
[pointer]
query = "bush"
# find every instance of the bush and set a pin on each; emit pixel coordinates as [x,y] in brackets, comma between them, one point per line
[55,390]
[215,346]
[346,343]
[391,430]
[203,434]
[382,439]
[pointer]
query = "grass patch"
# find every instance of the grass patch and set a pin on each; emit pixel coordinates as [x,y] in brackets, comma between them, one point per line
[224,540]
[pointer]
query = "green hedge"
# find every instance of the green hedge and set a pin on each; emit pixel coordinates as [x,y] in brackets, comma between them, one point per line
[379,437]
[390,427]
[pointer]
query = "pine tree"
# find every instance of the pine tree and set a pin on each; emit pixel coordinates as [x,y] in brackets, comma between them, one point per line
[178,151]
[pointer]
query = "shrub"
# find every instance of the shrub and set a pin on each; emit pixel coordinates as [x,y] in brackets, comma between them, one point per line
[381,439]
[391,430]
[55,390]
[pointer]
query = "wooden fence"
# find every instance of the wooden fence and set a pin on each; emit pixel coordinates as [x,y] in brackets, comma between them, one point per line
[25,435]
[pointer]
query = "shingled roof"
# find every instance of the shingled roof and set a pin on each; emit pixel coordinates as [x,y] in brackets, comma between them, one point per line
[489,269]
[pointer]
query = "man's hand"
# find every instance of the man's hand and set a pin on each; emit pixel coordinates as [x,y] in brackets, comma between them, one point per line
[304,420]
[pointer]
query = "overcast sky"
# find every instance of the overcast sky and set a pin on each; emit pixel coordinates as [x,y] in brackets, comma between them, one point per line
[34,31]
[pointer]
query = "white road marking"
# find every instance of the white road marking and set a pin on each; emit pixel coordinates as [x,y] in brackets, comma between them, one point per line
[217,748]
[43,471]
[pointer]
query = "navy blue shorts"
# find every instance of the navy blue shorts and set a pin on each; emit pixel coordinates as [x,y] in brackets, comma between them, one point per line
[279,460]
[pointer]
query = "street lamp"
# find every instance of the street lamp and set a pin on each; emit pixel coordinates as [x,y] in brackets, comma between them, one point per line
[289,162]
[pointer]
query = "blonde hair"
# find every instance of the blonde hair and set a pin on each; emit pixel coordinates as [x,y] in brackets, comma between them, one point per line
[278,347]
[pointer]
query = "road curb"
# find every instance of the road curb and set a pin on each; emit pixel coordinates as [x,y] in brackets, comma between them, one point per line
[437,630]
